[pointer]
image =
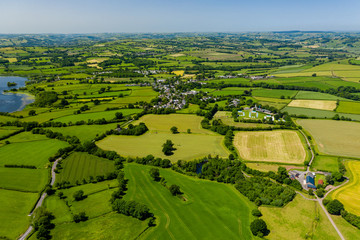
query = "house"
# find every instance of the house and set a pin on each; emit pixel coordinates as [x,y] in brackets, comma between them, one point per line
[310,180]
[321,182]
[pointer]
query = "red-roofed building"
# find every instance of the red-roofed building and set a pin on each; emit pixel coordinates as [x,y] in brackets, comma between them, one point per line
[321,181]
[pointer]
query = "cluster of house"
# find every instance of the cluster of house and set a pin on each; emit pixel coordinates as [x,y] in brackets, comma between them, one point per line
[306,179]
[147,72]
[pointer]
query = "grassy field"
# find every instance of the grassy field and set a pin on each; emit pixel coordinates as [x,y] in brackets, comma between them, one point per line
[300,219]
[317,96]
[212,210]
[108,115]
[273,93]
[275,146]
[314,104]
[348,230]
[84,132]
[349,195]
[32,180]
[111,226]
[34,153]
[265,167]
[229,91]
[189,146]
[273,102]
[190,110]
[325,163]
[318,113]
[25,137]
[337,138]
[79,166]
[14,208]
[5,131]
[349,107]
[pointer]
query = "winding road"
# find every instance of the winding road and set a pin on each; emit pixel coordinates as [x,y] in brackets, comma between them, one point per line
[41,200]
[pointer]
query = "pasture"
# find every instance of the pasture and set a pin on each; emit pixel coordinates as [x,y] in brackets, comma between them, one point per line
[79,166]
[272,146]
[229,91]
[339,138]
[314,104]
[297,220]
[349,107]
[318,113]
[212,210]
[5,131]
[189,146]
[273,93]
[23,179]
[317,96]
[349,195]
[325,163]
[14,208]
[266,167]
[34,153]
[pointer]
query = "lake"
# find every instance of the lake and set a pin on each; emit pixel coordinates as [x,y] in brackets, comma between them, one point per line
[11,102]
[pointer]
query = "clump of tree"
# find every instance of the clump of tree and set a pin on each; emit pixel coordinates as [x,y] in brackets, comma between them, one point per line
[174,130]
[151,160]
[259,228]
[42,223]
[79,195]
[132,130]
[155,174]
[45,98]
[80,217]
[175,190]
[168,148]
[334,207]
[131,208]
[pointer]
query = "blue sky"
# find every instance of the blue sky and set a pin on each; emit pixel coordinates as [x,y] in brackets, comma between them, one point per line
[80,16]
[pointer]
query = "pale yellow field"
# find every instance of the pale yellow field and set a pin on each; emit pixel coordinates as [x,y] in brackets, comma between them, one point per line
[314,104]
[270,146]
[349,195]
[179,73]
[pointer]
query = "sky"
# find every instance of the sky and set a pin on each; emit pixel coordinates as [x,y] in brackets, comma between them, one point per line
[130,16]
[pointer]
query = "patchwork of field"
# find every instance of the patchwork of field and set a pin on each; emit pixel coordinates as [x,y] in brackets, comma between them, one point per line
[339,138]
[272,146]
[315,104]
[212,210]
[79,166]
[317,96]
[349,195]
[316,113]
[226,118]
[5,131]
[300,219]
[349,107]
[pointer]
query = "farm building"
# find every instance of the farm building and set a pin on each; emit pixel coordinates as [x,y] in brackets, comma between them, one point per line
[321,182]
[310,182]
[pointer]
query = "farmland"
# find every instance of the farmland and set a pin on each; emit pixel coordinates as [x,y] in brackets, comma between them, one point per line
[349,195]
[325,163]
[273,93]
[349,107]
[79,166]
[229,211]
[273,146]
[314,104]
[342,142]
[316,113]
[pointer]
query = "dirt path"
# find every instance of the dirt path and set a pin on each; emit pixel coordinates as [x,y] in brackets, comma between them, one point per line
[41,200]
[311,151]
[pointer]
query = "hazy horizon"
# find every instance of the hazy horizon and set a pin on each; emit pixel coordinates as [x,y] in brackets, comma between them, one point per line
[160,16]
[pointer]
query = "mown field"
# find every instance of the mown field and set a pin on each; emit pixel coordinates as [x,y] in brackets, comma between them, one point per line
[272,146]
[349,195]
[325,163]
[318,113]
[317,96]
[79,166]
[314,104]
[22,179]
[14,208]
[265,167]
[349,107]
[212,210]
[339,138]
[300,219]
[274,93]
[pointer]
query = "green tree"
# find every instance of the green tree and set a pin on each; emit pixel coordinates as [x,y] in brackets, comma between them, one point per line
[118,115]
[168,148]
[79,195]
[320,192]
[155,173]
[259,228]
[32,113]
[174,130]
[335,207]
[175,190]
[256,212]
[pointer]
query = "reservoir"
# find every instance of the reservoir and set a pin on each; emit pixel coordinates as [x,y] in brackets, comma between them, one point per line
[11,102]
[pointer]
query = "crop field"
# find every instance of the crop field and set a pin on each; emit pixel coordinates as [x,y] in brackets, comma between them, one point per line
[318,113]
[300,216]
[337,138]
[274,146]
[14,208]
[349,195]
[325,163]
[144,94]
[317,96]
[212,210]
[229,91]
[189,146]
[84,132]
[273,93]
[349,107]
[108,115]
[23,179]
[79,166]
[273,102]
[314,104]
[265,167]
[34,153]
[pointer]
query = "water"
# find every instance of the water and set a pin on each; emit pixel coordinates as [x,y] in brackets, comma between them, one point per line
[11,102]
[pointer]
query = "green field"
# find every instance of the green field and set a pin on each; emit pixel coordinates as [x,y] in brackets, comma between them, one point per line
[227,119]
[14,208]
[337,138]
[108,115]
[84,132]
[273,93]
[300,219]
[316,113]
[266,167]
[229,91]
[23,179]
[34,153]
[5,131]
[212,210]
[317,96]
[348,230]
[349,107]
[349,195]
[325,163]
[272,146]
[79,166]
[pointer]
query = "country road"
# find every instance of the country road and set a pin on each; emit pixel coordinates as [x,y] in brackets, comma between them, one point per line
[41,200]
[311,151]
